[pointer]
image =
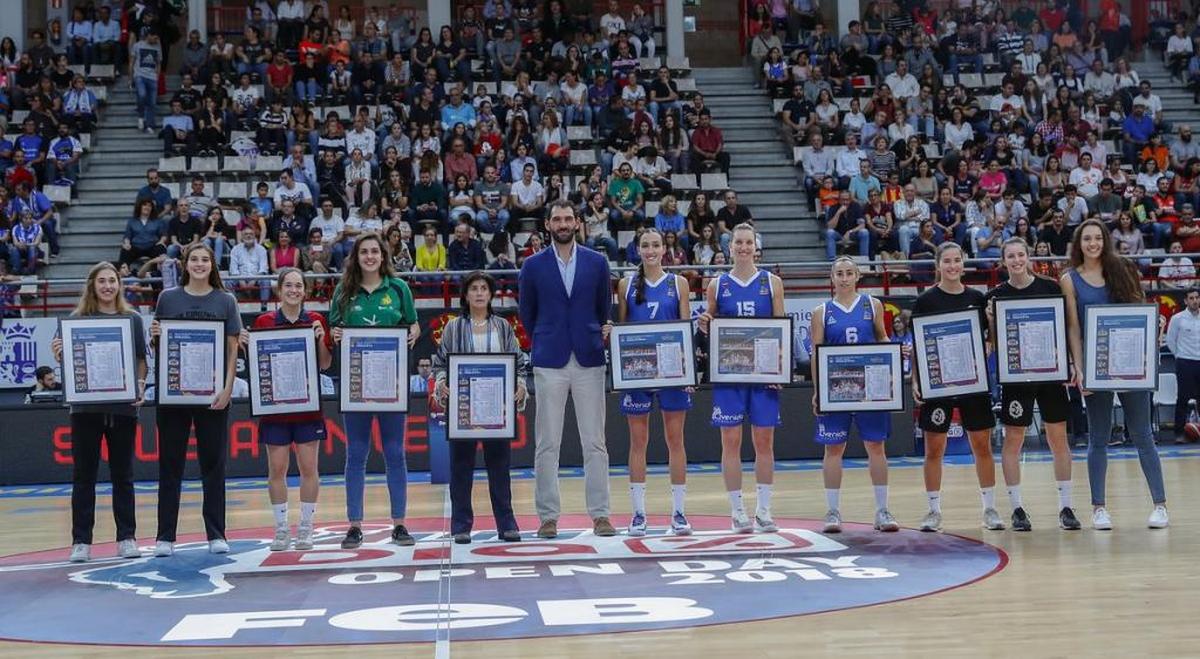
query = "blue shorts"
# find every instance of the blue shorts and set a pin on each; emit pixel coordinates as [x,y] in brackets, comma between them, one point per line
[637,403]
[731,404]
[279,433]
[834,428]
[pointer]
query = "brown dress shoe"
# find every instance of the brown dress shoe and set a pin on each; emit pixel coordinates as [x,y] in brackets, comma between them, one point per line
[603,527]
[548,529]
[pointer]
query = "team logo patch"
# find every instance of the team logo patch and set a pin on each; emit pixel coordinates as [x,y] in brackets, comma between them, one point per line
[938,416]
[382,593]
[1015,409]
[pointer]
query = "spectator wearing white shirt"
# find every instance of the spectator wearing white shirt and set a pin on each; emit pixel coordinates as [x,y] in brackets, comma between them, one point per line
[1153,105]
[1179,51]
[1095,148]
[1183,340]
[847,161]
[1086,177]
[360,138]
[903,84]
[1010,209]
[1100,82]
[909,212]
[289,189]
[79,38]
[1183,149]
[1008,103]
[249,259]
[1176,271]
[817,163]
[612,24]
[528,196]
[1073,206]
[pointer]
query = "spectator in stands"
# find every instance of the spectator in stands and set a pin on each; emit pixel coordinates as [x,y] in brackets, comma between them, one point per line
[595,228]
[27,198]
[264,203]
[19,172]
[217,233]
[27,237]
[106,35]
[1056,233]
[286,255]
[848,161]
[459,162]
[626,197]
[862,184]
[491,199]
[333,233]
[989,240]
[248,260]
[178,131]
[358,179]
[528,197]
[145,65]
[289,189]
[880,225]
[909,213]
[145,234]
[211,126]
[1175,271]
[245,100]
[286,221]
[79,106]
[431,253]
[1106,204]
[428,200]
[652,170]
[183,230]
[923,247]
[845,224]
[708,147]
[1153,106]
[465,253]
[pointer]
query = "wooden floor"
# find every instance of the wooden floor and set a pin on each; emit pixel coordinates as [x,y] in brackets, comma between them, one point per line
[1129,592]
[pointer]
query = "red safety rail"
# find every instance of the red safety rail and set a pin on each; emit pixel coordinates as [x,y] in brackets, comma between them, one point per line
[230,20]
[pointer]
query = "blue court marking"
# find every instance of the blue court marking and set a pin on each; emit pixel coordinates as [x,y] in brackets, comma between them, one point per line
[237,484]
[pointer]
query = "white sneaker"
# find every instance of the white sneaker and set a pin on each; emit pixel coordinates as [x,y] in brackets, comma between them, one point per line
[763,522]
[283,540]
[932,522]
[680,524]
[1158,518]
[1101,521]
[162,548]
[740,523]
[81,553]
[991,520]
[304,538]
[141,124]
[833,521]
[884,521]
[218,546]
[128,549]
[637,525]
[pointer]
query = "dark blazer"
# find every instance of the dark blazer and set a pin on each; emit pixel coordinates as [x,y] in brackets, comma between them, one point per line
[562,325]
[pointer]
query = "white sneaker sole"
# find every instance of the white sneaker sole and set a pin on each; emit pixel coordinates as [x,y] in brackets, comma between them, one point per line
[637,533]
[681,530]
[832,528]
[887,528]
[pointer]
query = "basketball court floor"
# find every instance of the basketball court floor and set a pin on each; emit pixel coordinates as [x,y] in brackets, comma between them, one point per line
[966,592]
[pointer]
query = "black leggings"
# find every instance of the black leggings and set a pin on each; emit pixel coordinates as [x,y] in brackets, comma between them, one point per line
[212,432]
[88,429]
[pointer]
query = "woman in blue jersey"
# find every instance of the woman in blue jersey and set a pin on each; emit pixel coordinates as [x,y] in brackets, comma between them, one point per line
[1097,275]
[650,295]
[746,291]
[851,317]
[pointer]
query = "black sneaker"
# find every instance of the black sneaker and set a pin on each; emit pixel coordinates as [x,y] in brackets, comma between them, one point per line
[353,539]
[1020,521]
[400,536]
[1067,521]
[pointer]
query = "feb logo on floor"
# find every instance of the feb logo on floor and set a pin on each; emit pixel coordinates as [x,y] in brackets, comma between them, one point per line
[382,593]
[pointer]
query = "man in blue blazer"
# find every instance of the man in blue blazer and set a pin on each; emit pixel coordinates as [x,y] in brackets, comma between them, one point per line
[566,295]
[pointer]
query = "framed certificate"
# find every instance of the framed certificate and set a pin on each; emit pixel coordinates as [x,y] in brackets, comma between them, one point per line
[750,350]
[860,377]
[1120,347]
[652,355]
[191,361]
[374,364]
[483,389]
[284,378]
[1031,340]
[949,354]
[99,365]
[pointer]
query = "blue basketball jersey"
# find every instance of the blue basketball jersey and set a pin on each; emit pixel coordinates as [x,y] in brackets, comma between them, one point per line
[856,325]
[662,300]
[743,300]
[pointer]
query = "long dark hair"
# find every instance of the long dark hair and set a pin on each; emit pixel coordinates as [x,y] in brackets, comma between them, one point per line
[352,277]
[639,295]
[214,275]
[1119,274]
[478,275]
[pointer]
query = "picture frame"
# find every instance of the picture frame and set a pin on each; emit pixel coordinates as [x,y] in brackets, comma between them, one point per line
[282,366]
[1120,347]
[859,377]
[191,361]
[374,369]
[750,350]
[949,343]
[483,396]
[98,360]
[1031,340]
[652,355]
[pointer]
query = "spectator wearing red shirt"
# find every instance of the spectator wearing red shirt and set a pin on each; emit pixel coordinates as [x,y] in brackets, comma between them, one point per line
[708,147]
[1052,18]
[459,161]
[304,429]
[279,78]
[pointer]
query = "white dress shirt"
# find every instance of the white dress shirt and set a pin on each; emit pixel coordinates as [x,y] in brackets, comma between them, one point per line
[1183,335]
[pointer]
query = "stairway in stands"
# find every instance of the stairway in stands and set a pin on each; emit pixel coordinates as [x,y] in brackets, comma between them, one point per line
[113,172]
[761,168]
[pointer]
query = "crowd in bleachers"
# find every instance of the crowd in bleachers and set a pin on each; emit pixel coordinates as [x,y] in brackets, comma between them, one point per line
[966,123]
[306,131]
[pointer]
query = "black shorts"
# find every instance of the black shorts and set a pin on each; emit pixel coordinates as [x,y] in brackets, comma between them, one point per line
[1016,407]
[975,411]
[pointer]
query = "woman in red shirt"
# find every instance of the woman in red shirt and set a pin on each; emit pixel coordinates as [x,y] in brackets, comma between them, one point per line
[285,254]
[304,429]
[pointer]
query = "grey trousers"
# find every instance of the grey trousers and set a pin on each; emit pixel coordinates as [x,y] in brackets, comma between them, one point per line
[586,388]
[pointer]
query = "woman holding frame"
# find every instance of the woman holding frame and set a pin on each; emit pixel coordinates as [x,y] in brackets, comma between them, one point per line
[1097,275]
[115,424]
[1017,400]
[200,296]
[653,295]
[304,429]
[851,317]
[975,410]
[370,294]
[746,291]
[479,330]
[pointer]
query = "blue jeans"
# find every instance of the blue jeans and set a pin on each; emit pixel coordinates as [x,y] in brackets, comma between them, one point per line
[218,246]
[976,62]
[607,244]
[905,234]
[339,253]
[833,237]
[147,99]
[358,446]
[307,90]
[488,225]
[244,68]
[674,107]
[573,113]
[1136,405]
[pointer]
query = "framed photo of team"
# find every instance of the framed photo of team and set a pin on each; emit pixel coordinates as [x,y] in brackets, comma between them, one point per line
[750,350]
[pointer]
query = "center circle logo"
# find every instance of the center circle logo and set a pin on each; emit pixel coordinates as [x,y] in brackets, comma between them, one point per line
[382,593]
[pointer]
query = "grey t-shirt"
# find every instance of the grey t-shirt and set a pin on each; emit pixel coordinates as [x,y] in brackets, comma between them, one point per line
[139,354]
[493,196]
[146,60]
[178,304]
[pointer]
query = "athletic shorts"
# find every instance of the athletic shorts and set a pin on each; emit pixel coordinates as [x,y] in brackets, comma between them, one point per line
[637,403]
[834,428]
[282,434]
[1016,408]
[732,404]
[975,412]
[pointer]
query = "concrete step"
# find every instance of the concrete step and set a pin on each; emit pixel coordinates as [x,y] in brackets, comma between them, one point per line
[113,224]
[92,182]
[756,146]
[761,159]
[108,239]
[111,212]
[88,255]
[792,254]
[763,122]
[107,197]
[69,270]
[756,134]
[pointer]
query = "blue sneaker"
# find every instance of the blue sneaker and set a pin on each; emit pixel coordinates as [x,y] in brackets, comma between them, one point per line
[680,525]
[637,525]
